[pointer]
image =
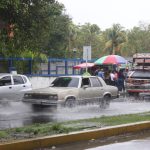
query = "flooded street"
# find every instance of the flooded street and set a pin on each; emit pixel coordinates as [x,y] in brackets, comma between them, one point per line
[132,145]
[18,114]
[138,144]
[129,141]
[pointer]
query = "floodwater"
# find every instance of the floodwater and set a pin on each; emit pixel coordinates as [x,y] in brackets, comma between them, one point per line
[139,144]
[129,141]
[17,114]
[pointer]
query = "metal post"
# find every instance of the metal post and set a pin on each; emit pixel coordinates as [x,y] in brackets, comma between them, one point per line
[66,67]
[74,51]
[10,64]
[49,67]
[30,66]
[86,59]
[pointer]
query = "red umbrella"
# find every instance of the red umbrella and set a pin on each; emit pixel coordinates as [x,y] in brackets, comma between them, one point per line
[83,65]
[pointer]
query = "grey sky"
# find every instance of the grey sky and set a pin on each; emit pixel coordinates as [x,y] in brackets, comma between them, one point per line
[105,13]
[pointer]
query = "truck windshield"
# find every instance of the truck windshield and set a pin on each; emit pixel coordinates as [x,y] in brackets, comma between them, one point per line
[141,74]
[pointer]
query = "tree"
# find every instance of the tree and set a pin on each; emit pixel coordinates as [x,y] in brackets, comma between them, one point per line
[89,35]
[139,39]
[34,25]
[116,39]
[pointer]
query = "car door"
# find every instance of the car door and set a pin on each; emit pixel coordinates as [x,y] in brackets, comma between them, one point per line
[97,89]
[18,83]
[6,85]
[85,90]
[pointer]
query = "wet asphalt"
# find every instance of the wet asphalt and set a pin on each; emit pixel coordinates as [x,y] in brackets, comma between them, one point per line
[15,113]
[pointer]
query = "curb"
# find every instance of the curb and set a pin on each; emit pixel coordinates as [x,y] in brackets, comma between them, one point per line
[49,141]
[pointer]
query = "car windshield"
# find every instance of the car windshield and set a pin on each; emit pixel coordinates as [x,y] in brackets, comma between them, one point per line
[65,82]
[141,74]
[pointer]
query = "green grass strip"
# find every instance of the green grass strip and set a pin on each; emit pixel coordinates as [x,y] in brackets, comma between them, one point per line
[37,130]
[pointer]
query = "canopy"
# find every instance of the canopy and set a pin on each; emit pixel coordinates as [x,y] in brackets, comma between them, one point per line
[84,65]
[111,59]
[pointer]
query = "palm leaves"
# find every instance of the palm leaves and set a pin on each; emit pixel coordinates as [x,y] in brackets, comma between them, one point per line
[116,39]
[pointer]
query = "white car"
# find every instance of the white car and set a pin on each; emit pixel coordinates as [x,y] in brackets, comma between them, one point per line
[72,90]
[13,85]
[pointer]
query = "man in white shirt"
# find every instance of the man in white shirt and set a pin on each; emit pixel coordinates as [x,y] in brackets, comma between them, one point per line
[112,78]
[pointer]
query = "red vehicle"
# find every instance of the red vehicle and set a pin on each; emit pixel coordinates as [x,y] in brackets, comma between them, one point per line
[138,80]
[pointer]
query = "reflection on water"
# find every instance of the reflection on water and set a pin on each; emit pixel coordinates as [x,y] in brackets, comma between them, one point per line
[41,114]
[16,114]
[39,108]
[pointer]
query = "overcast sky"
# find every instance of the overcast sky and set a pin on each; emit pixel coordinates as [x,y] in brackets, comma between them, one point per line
[105,13]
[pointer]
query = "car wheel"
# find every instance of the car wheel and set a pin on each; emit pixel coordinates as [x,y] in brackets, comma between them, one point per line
[105,102]
[70,102]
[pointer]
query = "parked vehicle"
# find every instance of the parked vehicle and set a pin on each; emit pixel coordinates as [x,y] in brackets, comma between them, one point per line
[72,90]
[138,81]
[13,85]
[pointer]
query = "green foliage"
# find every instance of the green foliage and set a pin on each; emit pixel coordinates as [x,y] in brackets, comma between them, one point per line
[41,28]
[38,26]
[88,35]
[3,134]
[116,39]
[58,128]
[138,40]
[37,129]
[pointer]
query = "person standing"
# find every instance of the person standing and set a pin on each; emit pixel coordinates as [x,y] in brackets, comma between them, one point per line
[112,78]
[107,77]
[96,72]
[101,73]
[121,79]
[116,77]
